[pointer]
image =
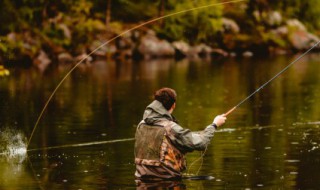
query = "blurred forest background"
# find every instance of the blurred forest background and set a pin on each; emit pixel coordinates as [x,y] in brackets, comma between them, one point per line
[41,32]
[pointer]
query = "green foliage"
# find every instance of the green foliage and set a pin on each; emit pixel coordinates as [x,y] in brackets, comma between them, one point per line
[126,11]
[83,26]
[64,25]
[8,16]
[310,14]
[306,11]
[55,24]
[274,40]
[195,26]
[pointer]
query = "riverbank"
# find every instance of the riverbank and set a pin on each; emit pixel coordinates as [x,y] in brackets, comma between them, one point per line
[233,39]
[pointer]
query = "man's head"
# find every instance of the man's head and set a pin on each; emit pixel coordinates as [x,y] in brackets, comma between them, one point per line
[166,96]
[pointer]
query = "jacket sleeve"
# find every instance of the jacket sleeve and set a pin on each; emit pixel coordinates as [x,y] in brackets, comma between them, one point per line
[187,141]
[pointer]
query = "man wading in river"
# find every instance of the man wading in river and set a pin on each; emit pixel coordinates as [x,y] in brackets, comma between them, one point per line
[161,143]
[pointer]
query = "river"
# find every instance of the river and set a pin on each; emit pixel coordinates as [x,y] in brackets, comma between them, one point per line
[84,138]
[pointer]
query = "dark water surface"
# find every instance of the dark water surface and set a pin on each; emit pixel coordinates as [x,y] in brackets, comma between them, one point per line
[270,142]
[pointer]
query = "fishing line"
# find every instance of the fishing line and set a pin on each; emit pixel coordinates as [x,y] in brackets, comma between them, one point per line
[82,144]
[200,158]
[274,77]
[131,139]
[112,39]
[34,174]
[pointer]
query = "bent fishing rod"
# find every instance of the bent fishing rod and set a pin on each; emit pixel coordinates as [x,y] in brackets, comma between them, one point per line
[274,77]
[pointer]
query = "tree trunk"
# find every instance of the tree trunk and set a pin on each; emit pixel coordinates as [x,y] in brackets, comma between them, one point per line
[108,13]
[161,9]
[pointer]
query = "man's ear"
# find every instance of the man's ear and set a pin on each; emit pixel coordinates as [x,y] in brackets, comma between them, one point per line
[173,107]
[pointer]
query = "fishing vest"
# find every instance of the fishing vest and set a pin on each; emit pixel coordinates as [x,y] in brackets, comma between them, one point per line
[153,147]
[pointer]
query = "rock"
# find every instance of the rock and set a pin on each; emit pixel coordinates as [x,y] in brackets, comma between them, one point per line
[193,53]
[281,31]
[257,15]
[274,18]
[124,42]
[84,57]
[103,51]
[181,48]
[296,24]
[65,57]
[66,31]
[219,53]
[151,46]
[204,50]
[301,40]
[42,61]
[230,25]
[233,54]
[277,51]
[299,37]
[12,36]
[247,54]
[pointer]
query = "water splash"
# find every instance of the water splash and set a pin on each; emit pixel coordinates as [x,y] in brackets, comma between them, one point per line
[13,145]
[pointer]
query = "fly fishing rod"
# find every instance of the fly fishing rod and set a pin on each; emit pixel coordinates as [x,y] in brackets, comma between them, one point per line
[274,77]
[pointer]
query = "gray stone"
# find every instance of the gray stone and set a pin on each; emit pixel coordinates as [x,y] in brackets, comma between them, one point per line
[247,54]
[296,24]
[65,57]
[42,61]
[274,18]
[230,25]
[151,46]
[182,48]
[301,40]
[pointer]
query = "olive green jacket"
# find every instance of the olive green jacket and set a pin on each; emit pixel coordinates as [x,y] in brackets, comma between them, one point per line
[185,140]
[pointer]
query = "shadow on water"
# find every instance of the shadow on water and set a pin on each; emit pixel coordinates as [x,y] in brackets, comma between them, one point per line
[269,142]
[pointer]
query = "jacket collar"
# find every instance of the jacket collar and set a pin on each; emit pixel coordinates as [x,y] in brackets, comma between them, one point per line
[155,112]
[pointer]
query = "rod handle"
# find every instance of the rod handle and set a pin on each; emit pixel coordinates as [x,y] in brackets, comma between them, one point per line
[230,111]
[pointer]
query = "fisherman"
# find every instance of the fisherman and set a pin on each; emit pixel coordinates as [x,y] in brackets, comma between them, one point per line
[161,143]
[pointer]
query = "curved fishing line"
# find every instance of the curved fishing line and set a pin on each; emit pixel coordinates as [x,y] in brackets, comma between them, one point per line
[274,77]
[195,161]
[112,39]
[82,144]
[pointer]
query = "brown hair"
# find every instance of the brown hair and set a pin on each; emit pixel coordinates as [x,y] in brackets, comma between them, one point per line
[166,96]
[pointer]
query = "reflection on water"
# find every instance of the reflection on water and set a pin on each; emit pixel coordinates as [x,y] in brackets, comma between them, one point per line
[177,185]
[270,142]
